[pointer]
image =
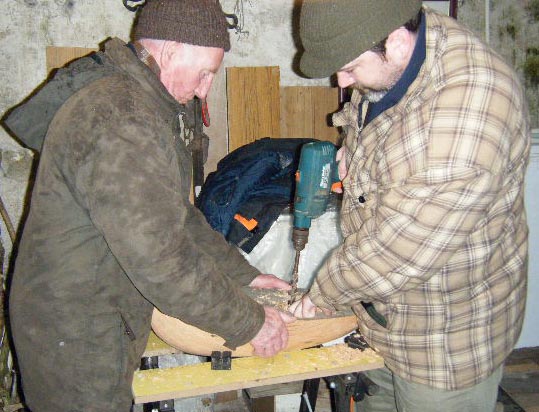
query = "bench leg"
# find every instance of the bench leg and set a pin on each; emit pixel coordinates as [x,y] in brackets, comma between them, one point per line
[152,362]
[309,395]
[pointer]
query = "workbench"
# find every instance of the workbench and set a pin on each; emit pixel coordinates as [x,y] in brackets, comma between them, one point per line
[154,385]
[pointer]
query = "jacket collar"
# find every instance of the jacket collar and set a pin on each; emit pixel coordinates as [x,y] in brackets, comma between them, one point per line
[396,93]
[128,62]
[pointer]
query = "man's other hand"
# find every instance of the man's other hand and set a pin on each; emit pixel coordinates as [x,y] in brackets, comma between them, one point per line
[269,282]
[273,337]
[305,308]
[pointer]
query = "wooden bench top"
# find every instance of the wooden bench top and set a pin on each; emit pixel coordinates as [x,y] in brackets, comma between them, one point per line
[193,380]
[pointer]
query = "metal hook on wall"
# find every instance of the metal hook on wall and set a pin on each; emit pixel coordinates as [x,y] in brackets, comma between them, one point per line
[133,5]
[234,18]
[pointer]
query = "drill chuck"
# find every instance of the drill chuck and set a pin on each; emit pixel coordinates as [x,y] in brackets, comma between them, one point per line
[300,238]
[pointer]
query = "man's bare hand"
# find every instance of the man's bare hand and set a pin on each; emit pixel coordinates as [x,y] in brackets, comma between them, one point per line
[305,308]
[269,282]
[273,337]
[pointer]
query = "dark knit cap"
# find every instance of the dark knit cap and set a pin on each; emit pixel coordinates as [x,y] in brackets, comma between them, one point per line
[196,22]
[335,32]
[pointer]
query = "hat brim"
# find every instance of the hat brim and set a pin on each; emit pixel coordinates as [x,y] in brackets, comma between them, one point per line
[328,58]
[317,66]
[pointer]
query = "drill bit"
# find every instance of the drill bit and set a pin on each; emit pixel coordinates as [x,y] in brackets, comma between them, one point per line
[295,278]
[300,237]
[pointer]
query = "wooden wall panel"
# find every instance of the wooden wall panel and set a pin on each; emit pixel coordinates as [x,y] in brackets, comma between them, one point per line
[253,104]
[305,111]
[57,57]
[296,112]
[325,102]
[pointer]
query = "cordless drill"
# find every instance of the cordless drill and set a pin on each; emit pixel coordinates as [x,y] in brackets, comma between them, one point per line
[316,177]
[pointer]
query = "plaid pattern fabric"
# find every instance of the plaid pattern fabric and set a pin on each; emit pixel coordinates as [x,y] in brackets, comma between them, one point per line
[433,219]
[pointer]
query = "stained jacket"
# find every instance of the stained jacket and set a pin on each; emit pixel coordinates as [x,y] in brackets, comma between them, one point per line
[110,234]
[433,219]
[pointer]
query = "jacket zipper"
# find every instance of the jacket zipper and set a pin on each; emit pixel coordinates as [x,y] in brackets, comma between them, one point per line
[128,331]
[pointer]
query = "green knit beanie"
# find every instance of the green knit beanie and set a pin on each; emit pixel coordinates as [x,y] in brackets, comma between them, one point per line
[197,22]
[335,32]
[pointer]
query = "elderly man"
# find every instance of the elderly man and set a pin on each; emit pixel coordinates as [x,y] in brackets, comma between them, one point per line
[110,232]
[435,236]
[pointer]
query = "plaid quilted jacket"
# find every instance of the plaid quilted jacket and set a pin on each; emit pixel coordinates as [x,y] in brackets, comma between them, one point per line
[433,218]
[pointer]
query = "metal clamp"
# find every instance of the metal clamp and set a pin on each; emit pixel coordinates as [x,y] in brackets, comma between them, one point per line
[354,386]
[221,360]
[356,341]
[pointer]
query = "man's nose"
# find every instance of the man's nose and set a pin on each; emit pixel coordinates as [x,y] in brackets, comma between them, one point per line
[344,79]
[204,87]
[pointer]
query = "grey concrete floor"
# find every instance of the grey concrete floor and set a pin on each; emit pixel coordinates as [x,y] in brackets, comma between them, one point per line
[521,380]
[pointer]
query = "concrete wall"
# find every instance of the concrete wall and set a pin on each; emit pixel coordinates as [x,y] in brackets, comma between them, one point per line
[512,28]
[26,28]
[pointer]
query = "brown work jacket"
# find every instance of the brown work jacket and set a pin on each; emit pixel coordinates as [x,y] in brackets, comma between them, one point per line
[110,235]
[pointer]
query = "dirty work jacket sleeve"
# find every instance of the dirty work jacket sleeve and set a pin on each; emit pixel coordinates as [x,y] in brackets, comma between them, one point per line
[128,178]
[228,257]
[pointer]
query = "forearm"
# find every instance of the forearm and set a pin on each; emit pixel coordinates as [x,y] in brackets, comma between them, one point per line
[407,240]
[229,259]
[132,191]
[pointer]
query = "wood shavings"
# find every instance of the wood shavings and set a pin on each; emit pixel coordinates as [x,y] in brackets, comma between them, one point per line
[279,299]
[276,298]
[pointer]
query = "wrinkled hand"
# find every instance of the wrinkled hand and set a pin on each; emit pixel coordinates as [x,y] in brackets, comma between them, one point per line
[269,282]
[273,337]
[341,160]
[305,308]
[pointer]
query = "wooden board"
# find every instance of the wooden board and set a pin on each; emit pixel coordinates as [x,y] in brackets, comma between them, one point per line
[302,333]
[193,380]
[253,104]
[305,111]
[274,390]
[57,57]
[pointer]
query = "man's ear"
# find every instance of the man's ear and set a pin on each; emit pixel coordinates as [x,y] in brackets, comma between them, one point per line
[399,46]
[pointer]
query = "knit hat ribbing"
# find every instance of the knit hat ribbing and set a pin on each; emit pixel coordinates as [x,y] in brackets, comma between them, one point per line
[196,22]
[335,32]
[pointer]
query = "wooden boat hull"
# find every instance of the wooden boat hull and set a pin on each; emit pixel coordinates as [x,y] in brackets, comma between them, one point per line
[303,333]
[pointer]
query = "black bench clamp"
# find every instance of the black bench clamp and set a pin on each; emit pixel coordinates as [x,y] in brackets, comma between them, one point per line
[221,360]
[352,385]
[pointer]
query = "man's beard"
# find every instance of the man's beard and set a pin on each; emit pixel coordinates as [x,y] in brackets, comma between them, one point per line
[371,95]
[375,96]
